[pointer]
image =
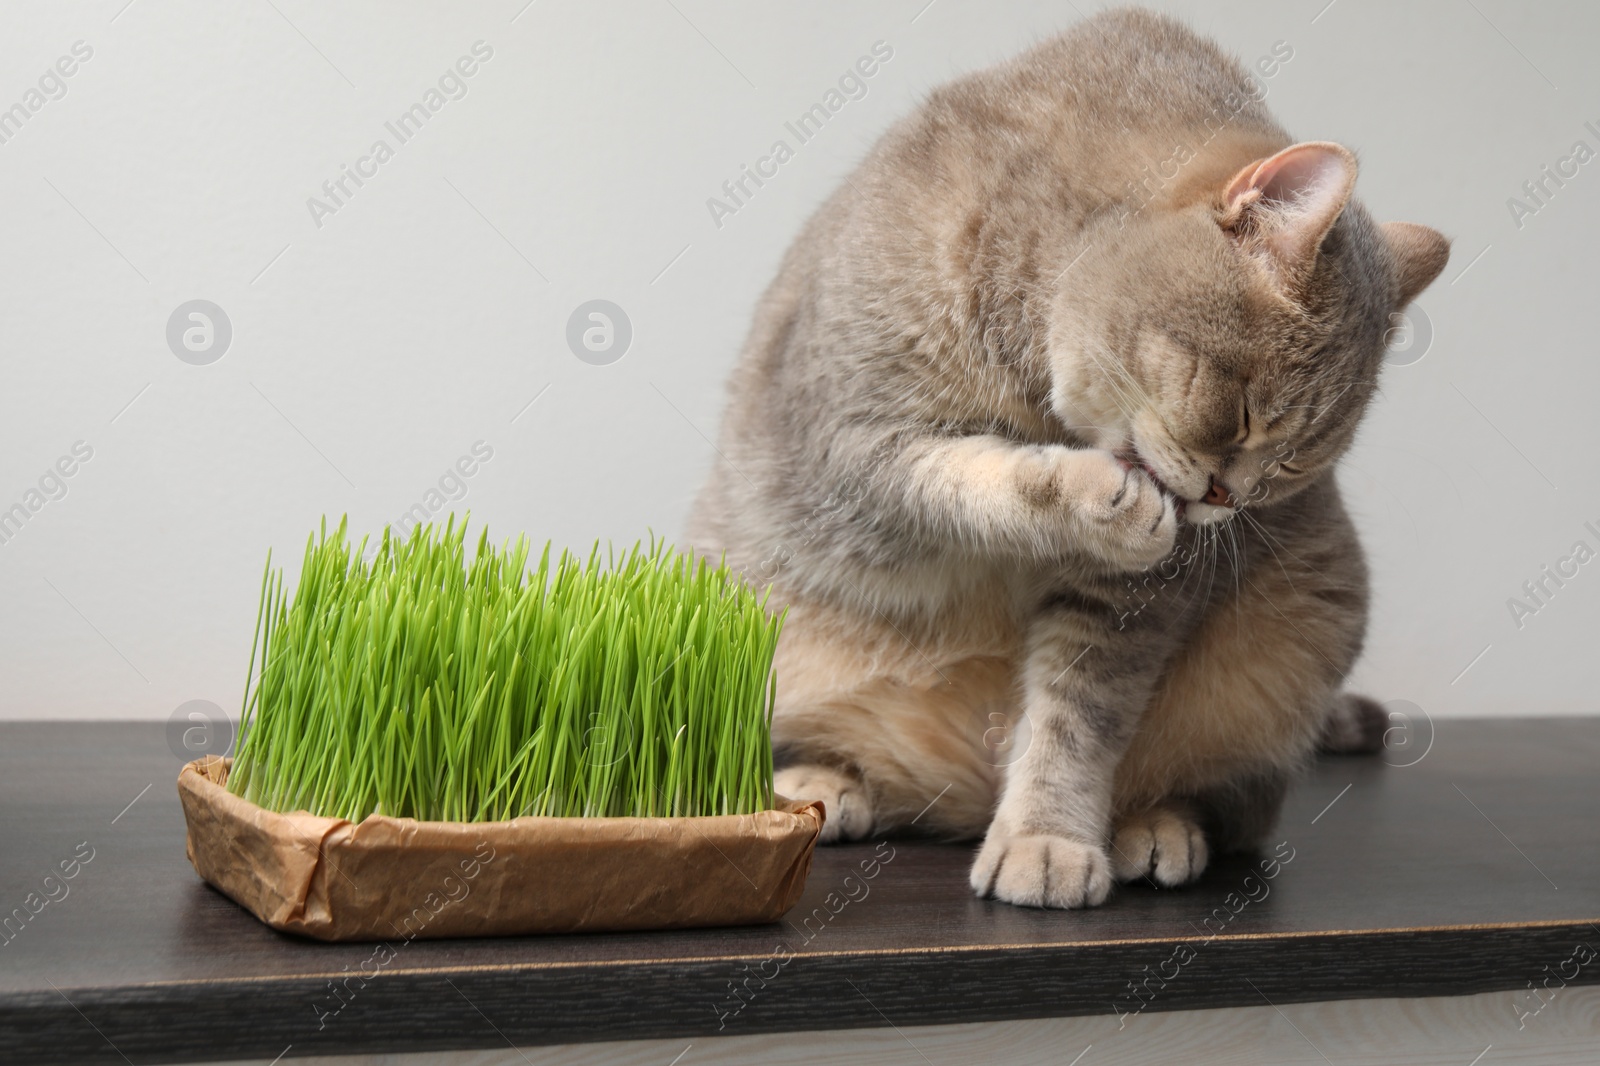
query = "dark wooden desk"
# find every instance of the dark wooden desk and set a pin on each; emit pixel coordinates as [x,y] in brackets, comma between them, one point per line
[1473,870]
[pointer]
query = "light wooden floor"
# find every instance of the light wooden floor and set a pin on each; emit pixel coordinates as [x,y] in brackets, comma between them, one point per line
[1455,1031]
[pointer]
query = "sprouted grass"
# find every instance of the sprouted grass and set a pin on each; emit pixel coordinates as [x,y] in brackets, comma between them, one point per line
[419,684]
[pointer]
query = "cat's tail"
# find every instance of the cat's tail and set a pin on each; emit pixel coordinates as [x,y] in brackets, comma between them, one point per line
[1355,725]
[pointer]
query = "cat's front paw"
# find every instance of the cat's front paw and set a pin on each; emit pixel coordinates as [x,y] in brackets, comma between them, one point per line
[1163,844]
[847,809]
[1041,871]
[1129,521]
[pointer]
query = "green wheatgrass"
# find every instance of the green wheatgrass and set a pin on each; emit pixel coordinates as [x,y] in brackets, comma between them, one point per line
[420,685]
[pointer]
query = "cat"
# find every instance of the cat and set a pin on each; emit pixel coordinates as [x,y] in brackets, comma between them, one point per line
[1034,436]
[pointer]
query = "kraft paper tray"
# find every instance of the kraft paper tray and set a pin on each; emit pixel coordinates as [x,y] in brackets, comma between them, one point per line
[383,877]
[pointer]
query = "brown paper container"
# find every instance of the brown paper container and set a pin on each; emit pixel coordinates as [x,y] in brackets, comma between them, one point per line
[385,878]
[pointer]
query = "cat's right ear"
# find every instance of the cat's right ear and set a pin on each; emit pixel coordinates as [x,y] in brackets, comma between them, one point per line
[1283,206]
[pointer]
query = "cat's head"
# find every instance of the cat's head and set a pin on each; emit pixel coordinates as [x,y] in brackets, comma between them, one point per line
[1227,336]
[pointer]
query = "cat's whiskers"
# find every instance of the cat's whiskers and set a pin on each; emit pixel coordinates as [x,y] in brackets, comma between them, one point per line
[1206,549]
[1211,561]
[1237,537]
[1188,573]
[1216,566]
[1124,388]
[1119,398]
[1121,383]
[1269,540]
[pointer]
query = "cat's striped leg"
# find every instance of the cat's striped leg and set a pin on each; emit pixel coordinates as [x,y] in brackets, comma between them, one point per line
[1085,685]
[1038,502]
[1242,706]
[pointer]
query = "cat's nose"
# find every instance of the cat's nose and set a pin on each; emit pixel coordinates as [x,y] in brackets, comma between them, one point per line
[1217,495]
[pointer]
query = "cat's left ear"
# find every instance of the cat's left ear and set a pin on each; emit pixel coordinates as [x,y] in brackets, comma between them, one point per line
[1417,254]
[1285,205]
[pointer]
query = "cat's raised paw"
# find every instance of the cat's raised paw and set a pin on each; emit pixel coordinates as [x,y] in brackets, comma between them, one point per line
[844,799]
[1041,871]
[1131,522]
[1162,844]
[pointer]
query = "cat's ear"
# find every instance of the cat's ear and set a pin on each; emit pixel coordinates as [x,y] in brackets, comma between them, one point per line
[1417,255]
[1285,205]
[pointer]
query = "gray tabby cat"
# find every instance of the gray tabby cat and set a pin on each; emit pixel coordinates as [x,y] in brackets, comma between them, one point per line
[1035,435]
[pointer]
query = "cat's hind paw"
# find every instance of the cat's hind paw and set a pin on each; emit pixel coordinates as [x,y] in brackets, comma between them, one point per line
[1041,871]
[1164,844]
[844,798]
[1355,725]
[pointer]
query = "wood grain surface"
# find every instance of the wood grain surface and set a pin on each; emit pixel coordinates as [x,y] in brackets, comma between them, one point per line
[1474,869]
[1480,1030]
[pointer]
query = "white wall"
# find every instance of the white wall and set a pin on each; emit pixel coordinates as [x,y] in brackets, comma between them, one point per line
[371,352]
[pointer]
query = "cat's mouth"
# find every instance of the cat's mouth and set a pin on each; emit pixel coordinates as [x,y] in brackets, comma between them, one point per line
[1217,495]
[1133,459]
[1179,501]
